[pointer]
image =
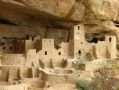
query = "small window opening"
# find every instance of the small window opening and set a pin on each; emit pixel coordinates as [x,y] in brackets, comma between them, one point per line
[11,48]
[4,48]
[78,27]
[59,53]
[79,52]
[110,39]
[45,52]
[32,38]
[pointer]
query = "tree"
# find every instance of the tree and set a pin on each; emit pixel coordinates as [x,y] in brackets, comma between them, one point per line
[103,80]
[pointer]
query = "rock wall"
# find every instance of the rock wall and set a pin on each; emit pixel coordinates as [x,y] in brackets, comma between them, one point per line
[55,20]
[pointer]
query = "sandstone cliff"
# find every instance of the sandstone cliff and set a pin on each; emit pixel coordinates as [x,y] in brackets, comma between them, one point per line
[55,18]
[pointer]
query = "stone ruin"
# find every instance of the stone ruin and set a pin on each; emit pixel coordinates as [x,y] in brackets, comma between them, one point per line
[53,44]
[40,65]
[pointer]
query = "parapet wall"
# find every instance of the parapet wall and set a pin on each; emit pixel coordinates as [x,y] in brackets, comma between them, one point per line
[14,87]
[53,77]
[34,82]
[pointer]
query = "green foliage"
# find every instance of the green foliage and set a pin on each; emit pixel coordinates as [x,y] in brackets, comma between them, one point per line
[115,67]
[117,89]
[103,80]
[83,85]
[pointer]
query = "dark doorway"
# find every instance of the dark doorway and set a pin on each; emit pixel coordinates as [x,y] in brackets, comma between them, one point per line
[79,52]
[4,48]
[78,27]
[10,48]
[110,39]
[45,52]
[59,53]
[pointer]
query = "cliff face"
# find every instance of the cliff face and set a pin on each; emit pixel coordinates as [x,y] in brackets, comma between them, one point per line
[55,18]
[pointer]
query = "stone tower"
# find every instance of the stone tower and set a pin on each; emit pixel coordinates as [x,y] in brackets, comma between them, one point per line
[111,41]
[78,40]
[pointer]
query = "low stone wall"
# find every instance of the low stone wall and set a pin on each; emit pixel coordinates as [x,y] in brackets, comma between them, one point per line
[61,71]
[14,87]
[66,86]
[34,82]
[13,59]
[6,71]
[54,77]
[16,72]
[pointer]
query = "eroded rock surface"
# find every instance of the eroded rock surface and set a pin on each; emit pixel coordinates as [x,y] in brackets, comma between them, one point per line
[33,17]
[103,9]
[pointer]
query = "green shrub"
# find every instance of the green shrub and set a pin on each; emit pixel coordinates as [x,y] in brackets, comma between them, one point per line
[83,85]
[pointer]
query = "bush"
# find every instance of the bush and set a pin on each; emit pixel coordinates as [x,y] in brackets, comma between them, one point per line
[103,80]
[83,85]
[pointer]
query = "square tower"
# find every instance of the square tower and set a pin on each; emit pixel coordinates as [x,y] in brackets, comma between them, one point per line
[78,40]
[111,47]
[47,43]
[79,32]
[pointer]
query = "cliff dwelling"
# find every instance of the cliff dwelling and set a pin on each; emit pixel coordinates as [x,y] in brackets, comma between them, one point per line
[59,45]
